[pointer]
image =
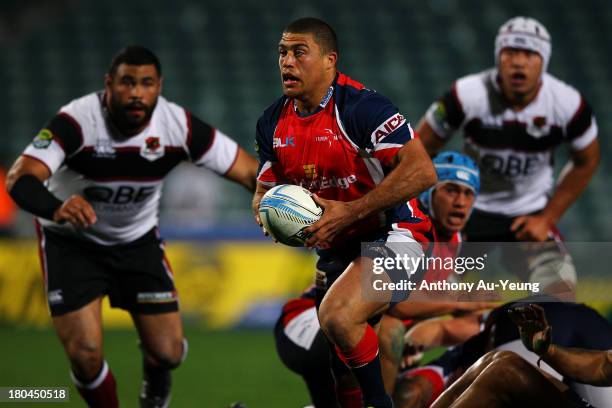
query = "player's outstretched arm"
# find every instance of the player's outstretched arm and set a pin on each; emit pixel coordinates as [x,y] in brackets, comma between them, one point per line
[25,185]
[585,366]
[244,170]
[412,174]
[432,142]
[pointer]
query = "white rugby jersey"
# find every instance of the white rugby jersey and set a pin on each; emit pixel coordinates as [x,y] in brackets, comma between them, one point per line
[122,177]
[513,149]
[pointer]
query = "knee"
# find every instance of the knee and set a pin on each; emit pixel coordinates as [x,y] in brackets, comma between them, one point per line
[168,354]
[333,317]
[85,356]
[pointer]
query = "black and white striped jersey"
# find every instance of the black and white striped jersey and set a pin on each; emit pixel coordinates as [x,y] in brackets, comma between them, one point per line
[122,176]
[513,149]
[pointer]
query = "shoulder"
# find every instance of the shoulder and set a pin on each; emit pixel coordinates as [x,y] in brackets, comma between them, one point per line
[359,104]
[85,103]
[273,111]
[268,119]
[565,99]
[83,109]
[350,94]
[471,90]
[172,115]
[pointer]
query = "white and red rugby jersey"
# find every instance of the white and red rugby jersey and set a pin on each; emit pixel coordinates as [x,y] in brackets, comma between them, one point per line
[341,152]
[513,149]
[122,176]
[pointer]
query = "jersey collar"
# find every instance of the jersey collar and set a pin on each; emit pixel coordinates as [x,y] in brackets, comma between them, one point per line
[326,98]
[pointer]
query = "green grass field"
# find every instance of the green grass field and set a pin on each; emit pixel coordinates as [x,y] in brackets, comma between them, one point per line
[222,367]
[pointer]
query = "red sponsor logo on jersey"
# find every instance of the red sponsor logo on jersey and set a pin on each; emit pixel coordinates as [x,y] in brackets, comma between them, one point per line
[322,183]
[152,143]
[389,126]
[539,121]
[314,182]
[152,149]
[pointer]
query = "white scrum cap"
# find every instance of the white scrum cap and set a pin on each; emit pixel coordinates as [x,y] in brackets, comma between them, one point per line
[525,33]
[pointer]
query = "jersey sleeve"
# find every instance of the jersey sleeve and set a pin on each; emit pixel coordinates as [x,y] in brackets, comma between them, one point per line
[209,147]
[60,138]
[380,127]
[581,129]
[269,173]
[446,114]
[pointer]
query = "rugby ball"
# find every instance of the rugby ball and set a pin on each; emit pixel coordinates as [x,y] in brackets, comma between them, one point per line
[286,210]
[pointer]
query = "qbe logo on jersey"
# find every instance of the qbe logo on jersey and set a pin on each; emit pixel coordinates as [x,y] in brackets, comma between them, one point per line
[152,148]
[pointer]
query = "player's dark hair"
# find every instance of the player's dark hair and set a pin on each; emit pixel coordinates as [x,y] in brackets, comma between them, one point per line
[134,55]
[322,32]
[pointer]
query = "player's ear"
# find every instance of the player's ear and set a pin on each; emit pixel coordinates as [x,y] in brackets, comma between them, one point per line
[161,84]
[331,59]
[108,80]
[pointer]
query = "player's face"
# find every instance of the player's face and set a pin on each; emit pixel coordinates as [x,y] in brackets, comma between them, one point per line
[519,71]
[305,70]
[452,204]
[132,94]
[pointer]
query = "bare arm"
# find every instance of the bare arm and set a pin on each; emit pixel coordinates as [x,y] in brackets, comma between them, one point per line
[25,165]
[244,170]
[428,309]
[31,195]
[432,142]
[412,174]
[586,366]
[574,178]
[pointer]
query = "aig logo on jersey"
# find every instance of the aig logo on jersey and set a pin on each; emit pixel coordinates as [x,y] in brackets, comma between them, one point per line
[388,127]
[152,148]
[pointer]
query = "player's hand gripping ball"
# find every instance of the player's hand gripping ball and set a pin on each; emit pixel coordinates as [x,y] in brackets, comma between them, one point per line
[285,211]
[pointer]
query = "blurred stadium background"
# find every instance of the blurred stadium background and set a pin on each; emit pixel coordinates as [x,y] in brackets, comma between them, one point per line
[219,60]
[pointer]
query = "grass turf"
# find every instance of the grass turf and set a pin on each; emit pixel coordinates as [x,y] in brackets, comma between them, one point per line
[222,367]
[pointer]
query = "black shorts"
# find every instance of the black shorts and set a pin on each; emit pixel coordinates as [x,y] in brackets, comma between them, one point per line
[136,276]
[543,263]
[302,361]
[314,363]
[333,262]
[489,227]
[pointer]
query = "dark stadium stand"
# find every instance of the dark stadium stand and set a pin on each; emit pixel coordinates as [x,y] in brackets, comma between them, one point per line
[221,60]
